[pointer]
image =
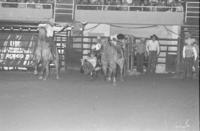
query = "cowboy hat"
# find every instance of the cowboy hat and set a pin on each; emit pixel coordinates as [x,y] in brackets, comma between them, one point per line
[120,36]
[155,36]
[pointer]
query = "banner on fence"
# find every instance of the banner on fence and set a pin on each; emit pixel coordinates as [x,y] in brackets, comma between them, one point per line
[16,50]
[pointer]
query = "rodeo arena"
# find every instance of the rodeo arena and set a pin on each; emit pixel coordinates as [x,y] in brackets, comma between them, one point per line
[99,65]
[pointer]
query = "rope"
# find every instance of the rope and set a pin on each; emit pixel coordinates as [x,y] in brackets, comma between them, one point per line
[170,31]
[92,27]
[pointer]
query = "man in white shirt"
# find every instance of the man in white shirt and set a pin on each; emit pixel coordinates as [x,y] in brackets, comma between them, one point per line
[189,55]
[153,50]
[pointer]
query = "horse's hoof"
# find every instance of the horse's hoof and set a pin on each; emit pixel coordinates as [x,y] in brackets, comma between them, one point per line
[57,77]
[40,77]
[44,79]
[108,79]
[35,72]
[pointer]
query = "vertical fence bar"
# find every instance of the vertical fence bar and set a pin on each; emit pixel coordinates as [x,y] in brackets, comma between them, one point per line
[186,6]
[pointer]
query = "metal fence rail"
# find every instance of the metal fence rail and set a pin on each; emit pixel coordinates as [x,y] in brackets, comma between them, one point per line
[25,5]
[192,12]
[129,8]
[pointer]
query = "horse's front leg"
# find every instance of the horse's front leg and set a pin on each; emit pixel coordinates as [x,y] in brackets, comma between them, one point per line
[121,65]
[36,64]
[46,67]
[104,67]
[113,71]
[57,65]
[41,73]
[35,69]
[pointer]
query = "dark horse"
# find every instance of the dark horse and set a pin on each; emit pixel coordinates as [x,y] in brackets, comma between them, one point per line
[43,55]
[112,55]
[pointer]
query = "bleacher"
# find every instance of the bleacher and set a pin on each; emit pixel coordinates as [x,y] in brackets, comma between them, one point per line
[191,23]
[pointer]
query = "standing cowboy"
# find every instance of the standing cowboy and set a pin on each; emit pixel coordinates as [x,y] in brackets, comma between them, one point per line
[189,55]
[140,54]
[50,27]
[153,50]
[196,62]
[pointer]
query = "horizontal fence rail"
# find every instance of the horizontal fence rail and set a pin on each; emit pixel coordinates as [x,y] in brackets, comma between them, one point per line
[129,8]
[192,12]
[25,5]
[64,12]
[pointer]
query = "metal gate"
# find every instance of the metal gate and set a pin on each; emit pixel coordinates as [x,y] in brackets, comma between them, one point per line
[77,48]
[168,57]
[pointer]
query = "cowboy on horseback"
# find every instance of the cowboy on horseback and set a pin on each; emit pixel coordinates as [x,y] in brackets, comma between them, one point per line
[118,41]
[51,27]
[45,50]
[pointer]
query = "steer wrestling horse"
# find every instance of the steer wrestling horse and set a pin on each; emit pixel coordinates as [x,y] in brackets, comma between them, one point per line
[43,55]
[112,55]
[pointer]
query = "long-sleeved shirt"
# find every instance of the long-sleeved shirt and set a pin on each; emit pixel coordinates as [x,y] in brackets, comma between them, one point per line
[153,46]
[189,41]
[140,48]
[50,29]
[189,51]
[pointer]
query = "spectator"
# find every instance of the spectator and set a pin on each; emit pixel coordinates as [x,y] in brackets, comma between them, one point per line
[196,62]
[189,55]
[153,2]
[129,2]
[140,54]
[178,6]
[153,50]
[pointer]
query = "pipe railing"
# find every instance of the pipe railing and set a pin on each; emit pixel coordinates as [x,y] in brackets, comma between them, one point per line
[25,5]
[192,8]
[129,8]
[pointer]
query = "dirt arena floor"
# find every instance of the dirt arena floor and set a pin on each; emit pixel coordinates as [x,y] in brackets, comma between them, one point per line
[75,103]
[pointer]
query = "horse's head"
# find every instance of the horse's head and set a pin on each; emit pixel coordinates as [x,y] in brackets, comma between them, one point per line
[105,43]
[42,34]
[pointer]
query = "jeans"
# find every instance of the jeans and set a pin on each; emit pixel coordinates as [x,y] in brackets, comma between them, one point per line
[196,65]
[152,60]
[188,63]
[140,62]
